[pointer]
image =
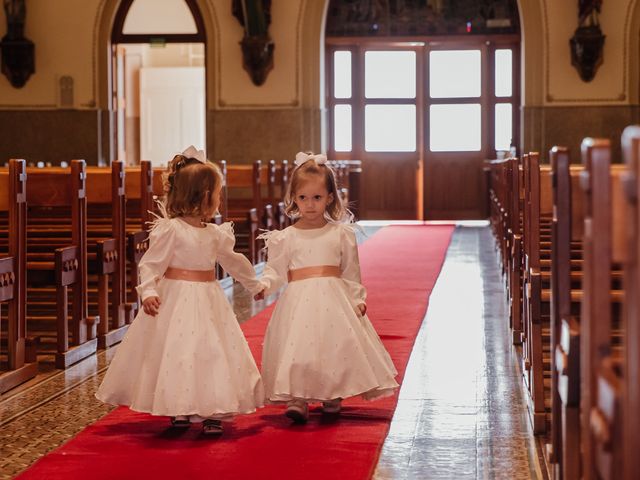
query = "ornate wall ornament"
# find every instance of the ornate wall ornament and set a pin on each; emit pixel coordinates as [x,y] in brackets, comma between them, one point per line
[587,42]
[257,46]
[421,17]
[18,52]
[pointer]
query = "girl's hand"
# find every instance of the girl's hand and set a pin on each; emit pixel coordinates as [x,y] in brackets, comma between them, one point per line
[259,295]
[151,305]
[363,309]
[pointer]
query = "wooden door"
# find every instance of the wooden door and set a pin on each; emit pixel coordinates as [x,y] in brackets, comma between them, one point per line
[470,113]
[375,97]
[422,116]
[172,111]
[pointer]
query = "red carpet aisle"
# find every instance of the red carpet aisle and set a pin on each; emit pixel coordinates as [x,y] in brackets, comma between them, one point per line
[400,265]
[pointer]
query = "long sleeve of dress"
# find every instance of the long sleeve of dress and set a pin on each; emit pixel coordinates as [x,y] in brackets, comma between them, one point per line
[235,263]
[156,259]
[350,266]
[275,271]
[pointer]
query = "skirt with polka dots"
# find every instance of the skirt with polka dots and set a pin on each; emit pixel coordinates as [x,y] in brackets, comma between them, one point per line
[190,359]
[317,347]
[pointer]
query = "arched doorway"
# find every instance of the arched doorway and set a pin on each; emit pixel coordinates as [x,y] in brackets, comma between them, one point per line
[423,92]
[156,93]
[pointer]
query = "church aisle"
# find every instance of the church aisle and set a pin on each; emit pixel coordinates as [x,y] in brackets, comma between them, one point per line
[461,412]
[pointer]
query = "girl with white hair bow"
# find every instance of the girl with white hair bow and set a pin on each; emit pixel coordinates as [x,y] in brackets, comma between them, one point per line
[184,356]
[319,345]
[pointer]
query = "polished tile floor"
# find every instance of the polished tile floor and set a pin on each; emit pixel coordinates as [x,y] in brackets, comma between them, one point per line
[461,412]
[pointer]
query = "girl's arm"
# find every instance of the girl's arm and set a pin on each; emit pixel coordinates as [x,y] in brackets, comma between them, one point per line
[156,260]
[274,274]
[235,263]
[350,265]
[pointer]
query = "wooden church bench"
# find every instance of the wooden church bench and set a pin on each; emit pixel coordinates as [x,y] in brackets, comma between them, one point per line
[601,322]
[57,262]
[18,361]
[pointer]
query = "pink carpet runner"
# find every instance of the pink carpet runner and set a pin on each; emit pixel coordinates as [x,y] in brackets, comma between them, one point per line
[400,265]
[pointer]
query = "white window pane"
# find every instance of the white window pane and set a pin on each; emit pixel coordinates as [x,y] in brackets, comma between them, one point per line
[342,74]
[504,132]
[390,74]
[455,128]
[454,73]
[504,73]
[342,128]
[390,128]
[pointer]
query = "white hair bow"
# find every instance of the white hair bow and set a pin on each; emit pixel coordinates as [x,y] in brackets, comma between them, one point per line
[302,157]
[193,152]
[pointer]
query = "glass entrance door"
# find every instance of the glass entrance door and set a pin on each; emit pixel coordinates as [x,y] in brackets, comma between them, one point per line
[422,117]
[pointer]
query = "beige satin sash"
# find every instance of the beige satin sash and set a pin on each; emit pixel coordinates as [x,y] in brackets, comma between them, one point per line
[190,275]
[314,272]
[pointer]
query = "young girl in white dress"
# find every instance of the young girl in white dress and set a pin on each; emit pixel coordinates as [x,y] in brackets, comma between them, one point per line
[184,355]
[319,345]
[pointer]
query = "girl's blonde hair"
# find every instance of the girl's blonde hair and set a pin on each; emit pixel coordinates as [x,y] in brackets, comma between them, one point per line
[337,210]
[189,186]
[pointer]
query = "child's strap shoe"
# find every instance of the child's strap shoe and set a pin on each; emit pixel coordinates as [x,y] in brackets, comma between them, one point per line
[211,427]
[180,421]
[332,406]
[298,411]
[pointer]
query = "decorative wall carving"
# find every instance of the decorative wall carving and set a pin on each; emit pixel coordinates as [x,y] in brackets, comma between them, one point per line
[421,17]
[18,52]
[256,44]
[587,42]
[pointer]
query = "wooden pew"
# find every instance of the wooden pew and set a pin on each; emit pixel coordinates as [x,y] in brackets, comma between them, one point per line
[348,174]
[276,177]
[514,247]
[282,182]
[139,185]
[341,172]
[567,229]
[506,204]
[19,364]
[498,192]
[243,191]
[268,174]
[57,262]
[139,192]
[355,186]
[567,303]
[556,299]
[601,356]
[631,393]
[541,336]
[535,325]
[105,234]
[106,244]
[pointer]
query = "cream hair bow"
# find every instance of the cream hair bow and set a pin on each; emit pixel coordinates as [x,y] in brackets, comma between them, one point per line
[302,157]
[193,152]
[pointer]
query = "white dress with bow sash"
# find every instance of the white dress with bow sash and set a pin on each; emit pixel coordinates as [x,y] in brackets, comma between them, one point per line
[192,358]
[317,346]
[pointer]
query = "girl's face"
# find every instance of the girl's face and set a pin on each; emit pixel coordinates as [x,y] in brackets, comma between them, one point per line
[312,198]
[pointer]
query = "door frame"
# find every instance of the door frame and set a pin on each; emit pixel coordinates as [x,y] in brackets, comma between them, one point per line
[118,37]
[423,45]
